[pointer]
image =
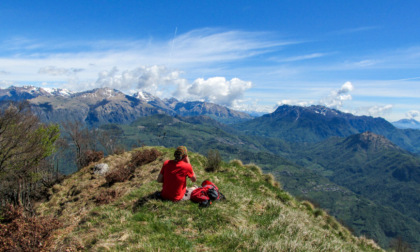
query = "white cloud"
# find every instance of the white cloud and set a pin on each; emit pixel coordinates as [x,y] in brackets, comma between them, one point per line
[377,111]
[216,90]
[413,114]
[159,80]
[337,97]
[295,102]
[154,79]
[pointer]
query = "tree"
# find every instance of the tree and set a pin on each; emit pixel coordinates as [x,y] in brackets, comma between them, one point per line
[80,137]
[24,143]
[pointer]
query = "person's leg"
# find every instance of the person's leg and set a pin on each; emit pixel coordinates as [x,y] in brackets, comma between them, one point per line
[187,195]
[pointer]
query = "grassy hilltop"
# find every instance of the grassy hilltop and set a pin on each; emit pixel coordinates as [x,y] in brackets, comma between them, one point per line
[257,215]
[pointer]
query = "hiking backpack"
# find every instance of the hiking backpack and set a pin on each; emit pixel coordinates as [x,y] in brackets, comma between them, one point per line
[206,194]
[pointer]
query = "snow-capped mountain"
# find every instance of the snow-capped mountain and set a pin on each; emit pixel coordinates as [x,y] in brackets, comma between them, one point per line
[144,96]
[106,105]
[29,92]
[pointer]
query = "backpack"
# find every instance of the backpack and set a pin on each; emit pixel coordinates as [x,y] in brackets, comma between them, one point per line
[206,194]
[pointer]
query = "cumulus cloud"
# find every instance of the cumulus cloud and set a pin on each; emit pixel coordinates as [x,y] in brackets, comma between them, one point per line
[159,79]
[413,114]
[148,78]
[216,90]
[59,71]
[337,97]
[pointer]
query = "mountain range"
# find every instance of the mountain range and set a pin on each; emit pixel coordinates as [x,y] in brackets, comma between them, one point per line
[104,105]
[317,123]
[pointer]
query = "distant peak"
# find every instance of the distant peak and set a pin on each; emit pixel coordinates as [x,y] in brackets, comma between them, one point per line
[313,109]
[30,92]
[104,92]
[144,96]
[407,124]
[372,141]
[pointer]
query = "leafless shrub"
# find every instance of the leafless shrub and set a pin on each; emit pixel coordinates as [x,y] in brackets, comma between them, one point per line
[21,233]
[91,156]
[143,157]
[106,197]
[119,150]
[120,174]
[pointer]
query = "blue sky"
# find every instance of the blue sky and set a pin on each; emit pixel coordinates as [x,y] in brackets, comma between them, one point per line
[361,57]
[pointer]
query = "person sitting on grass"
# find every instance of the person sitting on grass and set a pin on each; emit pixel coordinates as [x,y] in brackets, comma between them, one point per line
[174,175]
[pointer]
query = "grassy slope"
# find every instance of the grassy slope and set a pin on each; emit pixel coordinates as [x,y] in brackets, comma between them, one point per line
[257,215]
[362,215]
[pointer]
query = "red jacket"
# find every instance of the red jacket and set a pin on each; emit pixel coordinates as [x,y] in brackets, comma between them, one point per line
[175,179]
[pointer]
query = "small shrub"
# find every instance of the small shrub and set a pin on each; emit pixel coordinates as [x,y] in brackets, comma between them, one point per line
[143,157]
[106,197]
[119,150]
[91,156]
[21,233]
[120,174]
[214,161]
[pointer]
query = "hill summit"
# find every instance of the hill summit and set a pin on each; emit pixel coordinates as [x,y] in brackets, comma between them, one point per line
[370,141]
[100,212]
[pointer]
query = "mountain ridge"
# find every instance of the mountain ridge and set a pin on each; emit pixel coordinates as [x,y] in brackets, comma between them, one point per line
[104,105]
[317,123]
[407,124]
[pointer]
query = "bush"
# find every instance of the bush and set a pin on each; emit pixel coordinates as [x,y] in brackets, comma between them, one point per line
[214,161]
[143,157]
[21,233]
[123,173]
[91,156]
[120,173]
[106,197]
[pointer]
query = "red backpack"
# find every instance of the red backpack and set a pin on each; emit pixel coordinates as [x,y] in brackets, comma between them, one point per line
[205,194]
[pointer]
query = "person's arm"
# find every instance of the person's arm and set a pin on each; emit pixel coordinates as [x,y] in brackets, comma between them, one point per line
[193,178]
[160,178]
[187,159]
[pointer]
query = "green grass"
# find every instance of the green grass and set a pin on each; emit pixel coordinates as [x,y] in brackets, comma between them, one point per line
[257,215]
